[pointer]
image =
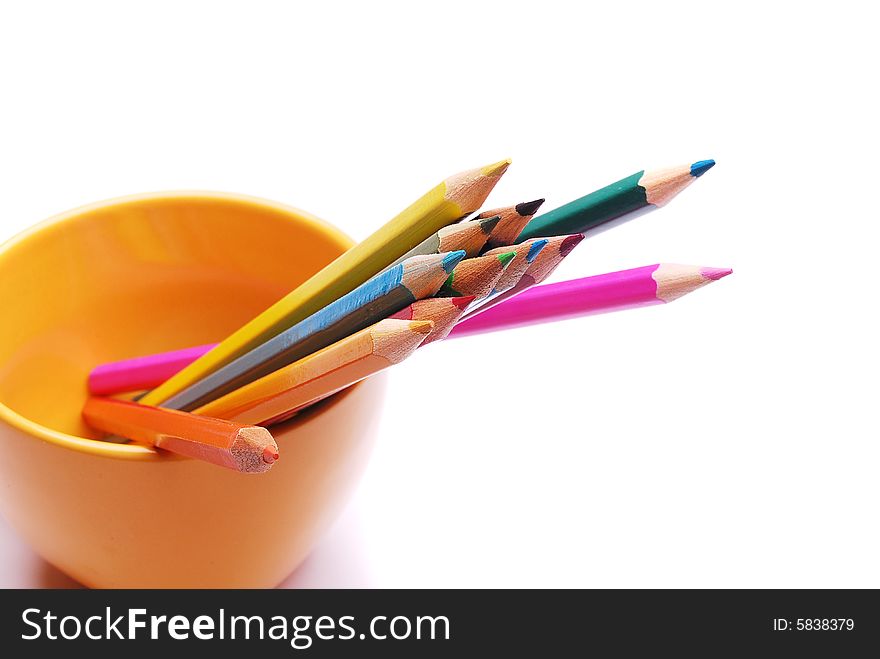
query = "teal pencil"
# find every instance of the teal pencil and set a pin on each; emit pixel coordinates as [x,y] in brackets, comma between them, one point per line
[644,190]
[385,294]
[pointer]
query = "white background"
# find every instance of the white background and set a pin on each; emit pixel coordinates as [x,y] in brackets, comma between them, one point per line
[728,439]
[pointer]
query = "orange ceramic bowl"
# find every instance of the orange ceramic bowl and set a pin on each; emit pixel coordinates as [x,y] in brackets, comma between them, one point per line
[139,275]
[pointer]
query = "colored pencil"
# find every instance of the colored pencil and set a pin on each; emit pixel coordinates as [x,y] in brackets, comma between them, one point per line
[150,371]
[556,251]
[513,221]
[387,293]
[642,190]
[652,284]
[476,276]
[244,448]
[320,374]
[141,372]
[457,196]
[525,254]
[444,312]
[547,260]
[469,236]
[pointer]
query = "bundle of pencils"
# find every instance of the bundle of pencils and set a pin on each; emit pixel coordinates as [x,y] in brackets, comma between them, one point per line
[428,274]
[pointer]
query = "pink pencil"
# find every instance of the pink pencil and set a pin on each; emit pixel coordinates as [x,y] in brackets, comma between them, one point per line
[650,284]
[141,372]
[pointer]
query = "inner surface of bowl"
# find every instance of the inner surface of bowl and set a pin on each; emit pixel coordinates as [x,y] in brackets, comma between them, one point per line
[138,276]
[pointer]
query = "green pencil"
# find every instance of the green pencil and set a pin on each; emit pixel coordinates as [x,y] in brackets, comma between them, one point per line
[643,190]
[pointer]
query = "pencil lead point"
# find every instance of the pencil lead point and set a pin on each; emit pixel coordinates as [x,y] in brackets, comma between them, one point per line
[715,273]
[270,455]
[527,208]
[452,259]
[506,258]
[535,249]
[570,243]
[421,326]
[488,224]
[463,302]
[701,167]
[498,168]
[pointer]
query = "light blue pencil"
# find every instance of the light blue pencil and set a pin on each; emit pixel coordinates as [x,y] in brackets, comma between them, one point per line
[387,293]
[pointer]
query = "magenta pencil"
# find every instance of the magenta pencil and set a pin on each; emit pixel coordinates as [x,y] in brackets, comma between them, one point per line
[650,284]
[141,372]
[638,287]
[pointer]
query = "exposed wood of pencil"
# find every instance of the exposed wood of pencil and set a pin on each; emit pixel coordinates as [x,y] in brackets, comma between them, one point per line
[469,236]
[513,221]
[642,190]
[547,260]
[226,443]
[444,312]
[452,199]
[310,379]
[476,276]
[525,255]
[653,284]
[387,293]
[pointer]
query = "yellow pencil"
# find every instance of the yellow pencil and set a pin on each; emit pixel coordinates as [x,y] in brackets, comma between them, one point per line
[457,196]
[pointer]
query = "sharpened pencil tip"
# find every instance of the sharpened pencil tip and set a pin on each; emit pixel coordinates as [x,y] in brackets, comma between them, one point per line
[701,167]
[528,208]
[452,259]
[570,243]
[715,273]
[463,302]
[421,326]
[488,224]
[506,258]
[535,249]
[498,168]
[270,455]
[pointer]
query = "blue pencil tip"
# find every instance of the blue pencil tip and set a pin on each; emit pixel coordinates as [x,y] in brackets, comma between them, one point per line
[701,167]
[535,249]
[452,259]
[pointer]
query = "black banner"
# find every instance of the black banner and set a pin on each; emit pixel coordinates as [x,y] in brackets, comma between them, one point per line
[438,623]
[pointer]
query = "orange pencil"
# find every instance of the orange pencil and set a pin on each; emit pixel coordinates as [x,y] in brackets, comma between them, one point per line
[248,449]
[278,395]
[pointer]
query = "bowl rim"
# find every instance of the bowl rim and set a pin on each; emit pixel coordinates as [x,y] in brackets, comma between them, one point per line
[136,451]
